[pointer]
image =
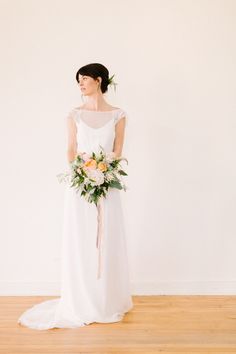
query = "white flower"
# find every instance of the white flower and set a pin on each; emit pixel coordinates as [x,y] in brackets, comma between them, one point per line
[110,156]
[97,176]
[109,176]
[86,180]
[85,156]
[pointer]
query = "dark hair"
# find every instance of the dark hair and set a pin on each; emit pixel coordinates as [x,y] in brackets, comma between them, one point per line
[94,70]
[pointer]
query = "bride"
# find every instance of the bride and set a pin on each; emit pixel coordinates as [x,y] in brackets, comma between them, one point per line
[95,282]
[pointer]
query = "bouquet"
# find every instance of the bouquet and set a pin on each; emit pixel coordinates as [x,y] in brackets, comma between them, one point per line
[93,174]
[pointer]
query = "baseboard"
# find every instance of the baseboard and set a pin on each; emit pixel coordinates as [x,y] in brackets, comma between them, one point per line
[137,288]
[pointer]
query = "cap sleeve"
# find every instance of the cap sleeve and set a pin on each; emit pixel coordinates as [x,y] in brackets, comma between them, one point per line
[73,115]
[121,114]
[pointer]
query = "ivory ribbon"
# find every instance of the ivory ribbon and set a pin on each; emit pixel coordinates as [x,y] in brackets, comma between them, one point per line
[100,230]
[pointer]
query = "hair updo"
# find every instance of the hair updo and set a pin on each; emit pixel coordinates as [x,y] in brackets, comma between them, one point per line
[94,70]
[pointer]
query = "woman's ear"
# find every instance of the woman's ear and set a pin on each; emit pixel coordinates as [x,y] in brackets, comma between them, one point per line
[99,79]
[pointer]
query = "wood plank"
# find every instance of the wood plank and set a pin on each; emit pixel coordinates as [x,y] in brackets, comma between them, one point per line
[157,324]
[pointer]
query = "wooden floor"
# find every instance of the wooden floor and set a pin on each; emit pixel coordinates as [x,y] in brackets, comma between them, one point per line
[156,324]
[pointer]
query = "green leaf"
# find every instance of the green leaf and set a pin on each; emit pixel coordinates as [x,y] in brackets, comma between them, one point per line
[121,172]
[115,184]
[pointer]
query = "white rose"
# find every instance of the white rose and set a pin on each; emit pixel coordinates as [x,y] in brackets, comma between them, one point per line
[96,175]
[110,156]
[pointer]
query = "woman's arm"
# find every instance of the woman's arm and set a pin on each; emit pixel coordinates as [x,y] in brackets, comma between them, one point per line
[119,137]
[72,139]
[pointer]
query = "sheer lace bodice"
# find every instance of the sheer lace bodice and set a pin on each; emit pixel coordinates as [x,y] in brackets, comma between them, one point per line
[95,128]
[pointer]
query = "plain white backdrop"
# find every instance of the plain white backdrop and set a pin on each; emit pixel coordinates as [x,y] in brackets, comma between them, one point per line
[174,62]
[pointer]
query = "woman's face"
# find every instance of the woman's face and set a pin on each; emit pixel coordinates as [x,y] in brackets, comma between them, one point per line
[88,85]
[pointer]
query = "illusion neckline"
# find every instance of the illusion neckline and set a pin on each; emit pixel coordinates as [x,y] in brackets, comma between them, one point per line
[89,110]
[103,126]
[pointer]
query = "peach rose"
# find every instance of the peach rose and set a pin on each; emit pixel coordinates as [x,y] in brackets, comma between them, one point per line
[102,166]
[90,163]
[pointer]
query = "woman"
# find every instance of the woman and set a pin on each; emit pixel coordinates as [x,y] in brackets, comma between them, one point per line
[95,283]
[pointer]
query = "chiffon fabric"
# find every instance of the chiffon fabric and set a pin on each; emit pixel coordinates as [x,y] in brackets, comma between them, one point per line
[86,298]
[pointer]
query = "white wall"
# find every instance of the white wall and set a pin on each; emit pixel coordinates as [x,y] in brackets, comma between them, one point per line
[174,61]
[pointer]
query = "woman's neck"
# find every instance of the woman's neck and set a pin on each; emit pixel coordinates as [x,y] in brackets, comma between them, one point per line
[96,102]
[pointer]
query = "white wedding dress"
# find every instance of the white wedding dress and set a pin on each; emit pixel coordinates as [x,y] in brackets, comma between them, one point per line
[85,297]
